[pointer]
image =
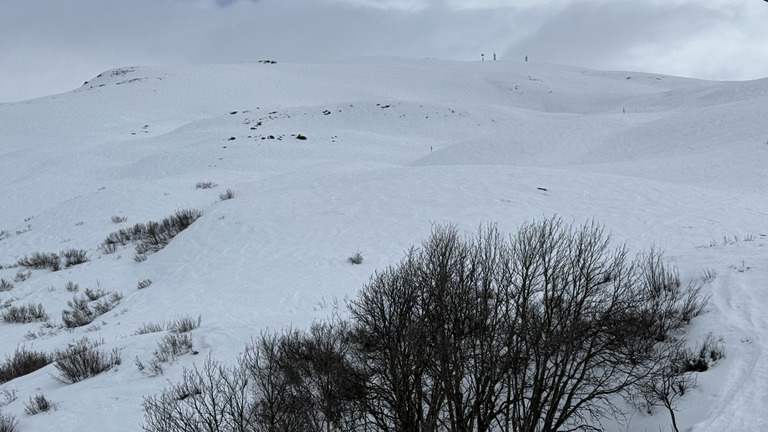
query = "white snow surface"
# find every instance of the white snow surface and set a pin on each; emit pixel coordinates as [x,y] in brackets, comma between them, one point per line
[393,147]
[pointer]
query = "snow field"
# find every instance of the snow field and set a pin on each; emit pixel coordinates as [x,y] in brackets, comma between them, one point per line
[393,146]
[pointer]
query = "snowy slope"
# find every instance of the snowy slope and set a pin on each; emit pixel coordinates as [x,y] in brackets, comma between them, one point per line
[393,146]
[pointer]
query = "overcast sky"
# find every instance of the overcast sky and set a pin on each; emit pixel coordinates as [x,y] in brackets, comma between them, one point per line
[52,46]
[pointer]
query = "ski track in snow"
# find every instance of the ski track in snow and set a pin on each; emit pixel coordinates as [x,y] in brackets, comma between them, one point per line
[392,147]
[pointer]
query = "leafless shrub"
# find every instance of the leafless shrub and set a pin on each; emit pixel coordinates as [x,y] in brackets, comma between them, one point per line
[8,423]
[677,374]
[184,324]
[108,247]
[25,314]
[205,185]
[152,236]
[708,275]
[357,258]
[94,294]
[119,219]
[104,305]
[39,404]
[82,359]
[670,382]
[41,261]
[707,352]
[84,309]
[209,398]
[741,267]
[144,283]
[21,275]
[227,195]
[150,328]
[71,286]
[79,314]
[172,346]
[5,285]
[74,257]
[23,362]
[8,396]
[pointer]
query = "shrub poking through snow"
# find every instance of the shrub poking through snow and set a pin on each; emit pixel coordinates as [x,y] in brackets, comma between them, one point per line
[82,359]
[184,324]
[5,285]
[39,261]
[144,283]
[119,219]
[85,308]
[357,258]
[39,404]
[708,352]
[21,275]
[25,314]
[152,236]
[169,349]
[177,342]
[23,362]
[94,295]
[71,286]
[150,328]
[205,185]
[8,423]
[74,257]
[227,195]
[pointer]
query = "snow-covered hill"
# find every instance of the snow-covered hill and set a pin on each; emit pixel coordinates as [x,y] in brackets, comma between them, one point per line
[366,155]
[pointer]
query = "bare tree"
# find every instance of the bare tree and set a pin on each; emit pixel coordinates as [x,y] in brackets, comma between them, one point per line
[392,350]
[211,398]
[543,332]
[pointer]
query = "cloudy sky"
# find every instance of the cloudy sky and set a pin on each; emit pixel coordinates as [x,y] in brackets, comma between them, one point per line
[52,46]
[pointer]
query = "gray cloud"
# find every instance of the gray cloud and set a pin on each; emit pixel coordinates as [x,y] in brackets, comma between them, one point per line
[52,46]
[686,38]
